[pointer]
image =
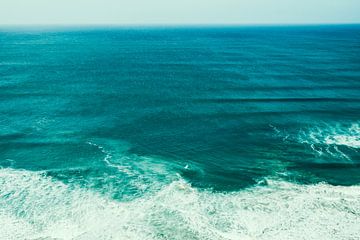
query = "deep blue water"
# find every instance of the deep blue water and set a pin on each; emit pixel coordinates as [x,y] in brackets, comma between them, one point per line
[148,115]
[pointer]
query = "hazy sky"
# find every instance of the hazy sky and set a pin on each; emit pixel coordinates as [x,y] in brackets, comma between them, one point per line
[178,11]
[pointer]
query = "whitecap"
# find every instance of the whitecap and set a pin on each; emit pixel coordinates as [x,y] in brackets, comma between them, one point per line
[326,140]
[34,206]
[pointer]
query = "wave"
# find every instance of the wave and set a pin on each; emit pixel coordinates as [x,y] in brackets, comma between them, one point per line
[327,140]
[288,88]
[275,100]
[350,138]
[34,206]
[335,141]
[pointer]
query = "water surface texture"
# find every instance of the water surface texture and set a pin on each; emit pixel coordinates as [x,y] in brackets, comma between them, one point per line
[180,133]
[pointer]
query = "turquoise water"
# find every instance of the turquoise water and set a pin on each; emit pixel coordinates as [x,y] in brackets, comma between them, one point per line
[180,133]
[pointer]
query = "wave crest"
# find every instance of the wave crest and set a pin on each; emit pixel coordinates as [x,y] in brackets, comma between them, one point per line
[34,206]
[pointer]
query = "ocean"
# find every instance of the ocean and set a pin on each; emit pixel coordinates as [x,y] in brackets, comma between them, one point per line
[224,132]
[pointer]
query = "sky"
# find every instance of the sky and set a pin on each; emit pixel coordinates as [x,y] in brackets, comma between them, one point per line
[183,12]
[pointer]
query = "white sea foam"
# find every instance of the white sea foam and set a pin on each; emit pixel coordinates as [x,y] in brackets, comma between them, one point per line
[138,170]
[327,140]
[338,135]
[33,206]
[346,140]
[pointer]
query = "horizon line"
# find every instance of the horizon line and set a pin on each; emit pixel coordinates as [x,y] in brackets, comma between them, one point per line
[173,24]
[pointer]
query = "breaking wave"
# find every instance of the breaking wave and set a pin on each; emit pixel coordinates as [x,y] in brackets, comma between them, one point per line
[339,141]
[35,206]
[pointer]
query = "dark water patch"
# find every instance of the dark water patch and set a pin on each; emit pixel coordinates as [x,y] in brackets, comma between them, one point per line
[338,174]
[269,100]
